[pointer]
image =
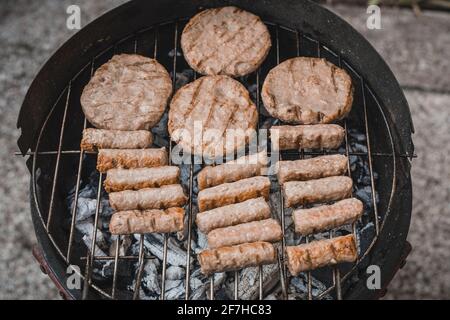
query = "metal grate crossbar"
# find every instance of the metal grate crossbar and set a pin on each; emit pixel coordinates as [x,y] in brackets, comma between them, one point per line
[141,257]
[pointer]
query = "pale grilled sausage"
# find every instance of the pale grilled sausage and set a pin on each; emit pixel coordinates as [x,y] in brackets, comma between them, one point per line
[317,191]
[229,193]
[150,198]
[131,158]
[140,178]
[233,214]
[326,136]
[94,139]
[308,221]
[313,168]
[236,257]
[268,230]
[317,254]
[147,221]
[244,167]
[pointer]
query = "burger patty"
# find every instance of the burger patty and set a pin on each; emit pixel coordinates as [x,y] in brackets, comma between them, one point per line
[226,40]
[129,92]
[307,91]
[212,116]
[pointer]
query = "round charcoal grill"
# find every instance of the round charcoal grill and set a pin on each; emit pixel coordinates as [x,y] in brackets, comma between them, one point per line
[378,144]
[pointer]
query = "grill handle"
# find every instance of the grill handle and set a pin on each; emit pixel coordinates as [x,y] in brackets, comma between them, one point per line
[46,269]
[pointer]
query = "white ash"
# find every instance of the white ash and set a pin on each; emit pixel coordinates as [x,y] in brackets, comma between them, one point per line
[88,242]
[201,243]
[124,245]
[198,287]
[86,227]
[86,207]
[150,283]
[249,281]
[174,289]
[175,273]
[220,291]
[154,245]
[271,296]
[87,202]
[298,287]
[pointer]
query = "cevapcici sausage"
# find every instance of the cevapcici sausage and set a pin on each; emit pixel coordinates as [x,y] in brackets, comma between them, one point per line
[241,168]
[140,178]
[308,221]
[147,221]
[236,257]
[234,192]
[320,253]
[131,158]
[233,214]
[94,139]
[268,230]
[313,168]
[317,191]
[149,198]
[327,136]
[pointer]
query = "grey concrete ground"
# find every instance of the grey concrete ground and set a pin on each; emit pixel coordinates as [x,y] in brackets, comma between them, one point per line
[416,48]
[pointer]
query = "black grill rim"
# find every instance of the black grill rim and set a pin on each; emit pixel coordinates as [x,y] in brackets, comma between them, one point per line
[398,226]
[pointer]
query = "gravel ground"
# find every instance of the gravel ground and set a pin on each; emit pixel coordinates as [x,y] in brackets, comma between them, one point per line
[416,48]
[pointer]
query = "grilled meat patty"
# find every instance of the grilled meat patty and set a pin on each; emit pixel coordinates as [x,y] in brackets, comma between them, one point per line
[307,91]
[212,116]
[226,40]
[129,92]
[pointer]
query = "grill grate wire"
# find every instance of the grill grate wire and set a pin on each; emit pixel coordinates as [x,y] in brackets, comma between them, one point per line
[141,257]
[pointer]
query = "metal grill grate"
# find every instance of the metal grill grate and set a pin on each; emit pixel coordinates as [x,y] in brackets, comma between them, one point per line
[67,255]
